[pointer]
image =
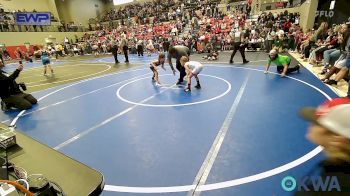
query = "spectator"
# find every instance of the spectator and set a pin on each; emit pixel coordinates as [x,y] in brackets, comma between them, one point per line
[124,47]
[322,30]
[10,92]
[330,128]
[323,46]
[344,40]
[114,51]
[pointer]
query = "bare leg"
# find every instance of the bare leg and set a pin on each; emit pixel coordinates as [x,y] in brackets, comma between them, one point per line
[45,67]
[189,77]
[198,86]
[156,78]
[50,68]
[341,74]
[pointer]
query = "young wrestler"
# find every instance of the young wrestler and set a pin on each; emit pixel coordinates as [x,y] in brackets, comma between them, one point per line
[46,61]
[154,64]
[192,68]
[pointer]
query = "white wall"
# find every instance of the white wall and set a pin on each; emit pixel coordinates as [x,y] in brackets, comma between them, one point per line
[52,6]
[34,38]
[80,11]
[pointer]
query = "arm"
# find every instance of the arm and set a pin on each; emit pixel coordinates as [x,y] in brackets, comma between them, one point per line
[188,73]
[285,69]
[188,53]
[267,67]
[14,75]
[187,68]
[171,64]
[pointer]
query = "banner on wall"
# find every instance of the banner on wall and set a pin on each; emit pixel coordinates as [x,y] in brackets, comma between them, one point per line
[33,18]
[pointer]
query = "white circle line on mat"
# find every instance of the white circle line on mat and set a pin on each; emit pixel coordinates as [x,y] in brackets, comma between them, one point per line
[234,182]
[213,186]
[174,105]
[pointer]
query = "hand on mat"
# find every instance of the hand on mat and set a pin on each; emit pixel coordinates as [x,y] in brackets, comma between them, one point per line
[283,75]
[266,72]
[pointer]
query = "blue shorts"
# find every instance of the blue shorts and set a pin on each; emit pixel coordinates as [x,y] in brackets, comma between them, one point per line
[45,61]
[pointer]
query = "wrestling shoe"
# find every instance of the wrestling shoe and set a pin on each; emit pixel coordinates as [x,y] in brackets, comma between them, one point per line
[298,68]
[331,82]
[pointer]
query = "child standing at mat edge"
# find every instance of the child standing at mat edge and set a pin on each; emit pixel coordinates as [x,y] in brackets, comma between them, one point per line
[45,59]
[154,65]
[192,68]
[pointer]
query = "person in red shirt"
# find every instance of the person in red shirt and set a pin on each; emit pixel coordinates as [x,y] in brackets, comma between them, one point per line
[287,25]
